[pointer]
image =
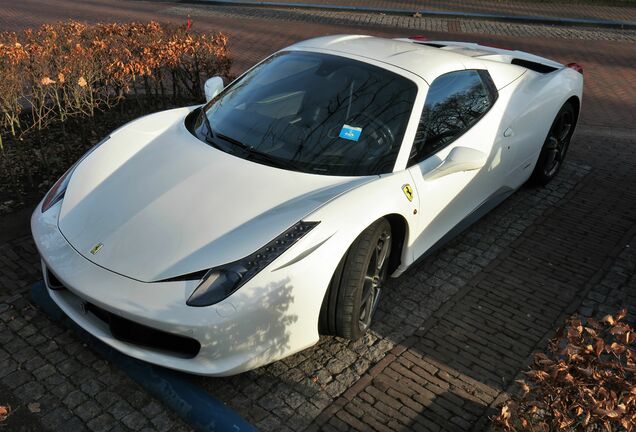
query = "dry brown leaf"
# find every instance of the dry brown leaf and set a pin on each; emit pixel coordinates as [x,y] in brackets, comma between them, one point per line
[616,348]
[619,328]
[505,412]
[598,346]
[590,331]
[574,332]
[628,425]
[34,407]
[5,410]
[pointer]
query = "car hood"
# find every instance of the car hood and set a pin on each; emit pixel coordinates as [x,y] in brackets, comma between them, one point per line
[163,204]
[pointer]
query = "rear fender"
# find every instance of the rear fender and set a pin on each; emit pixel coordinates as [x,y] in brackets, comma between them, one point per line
[532,104]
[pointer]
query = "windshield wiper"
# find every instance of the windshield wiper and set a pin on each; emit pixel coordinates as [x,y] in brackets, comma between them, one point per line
[209,135]
[211,138]
[256,155]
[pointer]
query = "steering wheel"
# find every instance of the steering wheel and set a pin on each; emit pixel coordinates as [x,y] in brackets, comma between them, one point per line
[380,137]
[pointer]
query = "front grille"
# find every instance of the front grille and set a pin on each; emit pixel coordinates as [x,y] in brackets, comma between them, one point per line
[139,334]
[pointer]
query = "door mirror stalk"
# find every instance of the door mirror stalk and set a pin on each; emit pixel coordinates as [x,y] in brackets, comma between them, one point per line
[459,159]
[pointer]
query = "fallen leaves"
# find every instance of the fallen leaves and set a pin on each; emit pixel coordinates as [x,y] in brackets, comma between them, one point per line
[5,411]
[34,407]
[586,379]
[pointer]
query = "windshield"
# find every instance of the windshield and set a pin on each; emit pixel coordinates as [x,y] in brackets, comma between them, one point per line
[312,112]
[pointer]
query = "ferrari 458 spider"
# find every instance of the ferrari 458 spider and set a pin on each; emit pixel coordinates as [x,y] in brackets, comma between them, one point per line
[214,239]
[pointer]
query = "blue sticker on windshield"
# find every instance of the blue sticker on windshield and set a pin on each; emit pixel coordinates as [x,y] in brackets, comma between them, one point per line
[350,133]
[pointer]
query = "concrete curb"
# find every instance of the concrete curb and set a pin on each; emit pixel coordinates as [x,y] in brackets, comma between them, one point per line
[523,19]
[193,404]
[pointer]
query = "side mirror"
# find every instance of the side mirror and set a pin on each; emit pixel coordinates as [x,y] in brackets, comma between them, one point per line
[459,159]
[213,87]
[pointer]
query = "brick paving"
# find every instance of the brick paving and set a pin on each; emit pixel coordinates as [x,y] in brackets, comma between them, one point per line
[451,334]
[427,24]
[463,358]
[42,362]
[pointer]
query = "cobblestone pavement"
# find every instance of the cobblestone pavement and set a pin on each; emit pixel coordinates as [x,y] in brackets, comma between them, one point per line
[409,22]
[588,9]
[451,334]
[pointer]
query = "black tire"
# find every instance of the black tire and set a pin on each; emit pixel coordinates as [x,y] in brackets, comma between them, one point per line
[352,297]
[555,146]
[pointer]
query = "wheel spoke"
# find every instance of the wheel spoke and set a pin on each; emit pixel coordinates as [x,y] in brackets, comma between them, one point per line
[365,295]
[564,127]
[373,280]
[366,307]
[553,143]
[382,251]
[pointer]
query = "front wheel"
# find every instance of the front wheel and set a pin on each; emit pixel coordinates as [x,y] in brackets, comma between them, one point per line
[354,291]
[555,146]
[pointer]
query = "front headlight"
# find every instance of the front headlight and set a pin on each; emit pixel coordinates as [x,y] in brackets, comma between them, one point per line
[56,193]
[222,281]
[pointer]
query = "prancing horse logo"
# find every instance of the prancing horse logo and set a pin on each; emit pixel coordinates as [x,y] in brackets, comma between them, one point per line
[96,248]
[408,191]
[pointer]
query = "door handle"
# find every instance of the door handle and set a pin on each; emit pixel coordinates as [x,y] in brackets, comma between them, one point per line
[508,133]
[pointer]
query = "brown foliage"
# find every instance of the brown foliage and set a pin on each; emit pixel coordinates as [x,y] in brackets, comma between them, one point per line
[69,69]
[67,73]
[585,381]
[5,411]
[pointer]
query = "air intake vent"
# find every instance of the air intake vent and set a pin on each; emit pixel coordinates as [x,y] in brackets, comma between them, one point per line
[139,334]
[537,67]
[54,282]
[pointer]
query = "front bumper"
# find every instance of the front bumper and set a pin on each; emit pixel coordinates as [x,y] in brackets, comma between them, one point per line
[271,317]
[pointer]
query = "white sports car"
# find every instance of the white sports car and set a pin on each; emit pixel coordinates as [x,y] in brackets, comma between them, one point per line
[218,238]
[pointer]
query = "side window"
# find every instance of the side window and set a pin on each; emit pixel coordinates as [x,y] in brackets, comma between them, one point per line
[454,103]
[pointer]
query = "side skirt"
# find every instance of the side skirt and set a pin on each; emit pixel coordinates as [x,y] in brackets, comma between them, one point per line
[485,207]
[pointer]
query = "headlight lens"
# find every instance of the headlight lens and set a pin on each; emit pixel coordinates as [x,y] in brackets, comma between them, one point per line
[221,282]
[56,193]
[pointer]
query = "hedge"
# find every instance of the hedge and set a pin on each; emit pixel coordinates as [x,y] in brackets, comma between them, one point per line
[60,83]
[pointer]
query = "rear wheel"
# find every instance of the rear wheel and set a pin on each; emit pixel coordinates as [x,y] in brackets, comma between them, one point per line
[354,291]
[555,146]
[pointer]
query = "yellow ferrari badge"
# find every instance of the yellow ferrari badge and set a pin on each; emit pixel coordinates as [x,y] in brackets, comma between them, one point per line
[96,248]
[408,191]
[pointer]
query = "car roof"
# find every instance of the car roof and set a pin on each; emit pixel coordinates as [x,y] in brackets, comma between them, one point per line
[426,61]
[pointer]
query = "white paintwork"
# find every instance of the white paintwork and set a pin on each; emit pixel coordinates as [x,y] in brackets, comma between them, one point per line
[458,160]
[165,204]
[212,87]
[108,201]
